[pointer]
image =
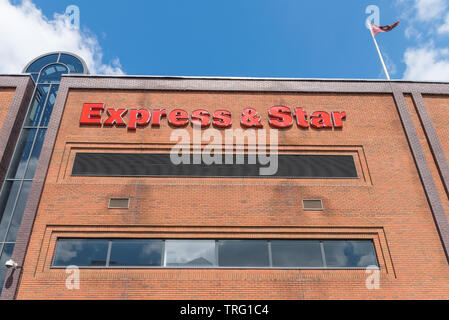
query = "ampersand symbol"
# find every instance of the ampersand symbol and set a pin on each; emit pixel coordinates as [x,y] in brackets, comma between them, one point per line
[250,119]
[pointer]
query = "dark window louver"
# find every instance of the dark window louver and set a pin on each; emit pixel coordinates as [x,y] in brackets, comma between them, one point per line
[160,165]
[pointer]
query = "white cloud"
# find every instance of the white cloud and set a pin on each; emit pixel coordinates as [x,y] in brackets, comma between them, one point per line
[445,27]
[429,9]
[25,33]
[427,64]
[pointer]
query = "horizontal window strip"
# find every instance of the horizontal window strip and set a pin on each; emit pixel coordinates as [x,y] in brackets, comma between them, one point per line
[242,165]
[210,253]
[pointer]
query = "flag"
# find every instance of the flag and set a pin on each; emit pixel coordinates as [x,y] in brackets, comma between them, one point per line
[377,29]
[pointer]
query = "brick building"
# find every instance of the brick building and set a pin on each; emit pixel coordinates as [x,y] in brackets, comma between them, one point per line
[87,181]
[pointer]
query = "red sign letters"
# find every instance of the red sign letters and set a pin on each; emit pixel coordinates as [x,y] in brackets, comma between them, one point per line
[280,117]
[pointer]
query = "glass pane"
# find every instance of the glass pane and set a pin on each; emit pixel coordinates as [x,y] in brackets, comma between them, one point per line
[18,212]
[6,255]
[190,253]
[349,254]
[35,76]
[8,199]
[243,253]
[21,154]
[75,66]
[37,65]
[35,111]
[34,159]
[52,73]
[136,253]
[291,253]
[50,104]
[81,253]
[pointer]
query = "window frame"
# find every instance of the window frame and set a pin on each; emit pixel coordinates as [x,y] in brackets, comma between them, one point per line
[182,176]
[216,266]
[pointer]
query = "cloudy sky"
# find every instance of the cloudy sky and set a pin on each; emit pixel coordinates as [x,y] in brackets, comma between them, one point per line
[240,38]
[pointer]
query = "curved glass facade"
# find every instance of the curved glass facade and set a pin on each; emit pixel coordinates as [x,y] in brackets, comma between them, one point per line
[46,72]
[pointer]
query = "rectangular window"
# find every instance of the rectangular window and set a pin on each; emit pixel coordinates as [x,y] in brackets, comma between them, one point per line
[81,252]
[243,253]
[160,165]
[288,253]
[139,253]
[343,254]
[188,253]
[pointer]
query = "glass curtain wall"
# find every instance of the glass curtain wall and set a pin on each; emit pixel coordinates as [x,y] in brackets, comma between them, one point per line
[46,72]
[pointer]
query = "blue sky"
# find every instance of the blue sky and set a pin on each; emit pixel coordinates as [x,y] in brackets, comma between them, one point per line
[263,38]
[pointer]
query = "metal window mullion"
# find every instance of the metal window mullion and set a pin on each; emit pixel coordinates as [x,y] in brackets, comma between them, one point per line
[13,211]
[323,255]
[216,253]
[270,256]
[164,253]
[108,255]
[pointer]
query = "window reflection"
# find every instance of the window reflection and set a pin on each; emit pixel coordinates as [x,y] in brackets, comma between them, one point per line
[75,66]
[49,107]
[82,253]
[22,154]
[290,253]
[35,110]
[349,253]
[52,73]
[136,253]
[5,256]
[190,253]
[18,211]
[243,253]
[37,148]
[9,196]
[42,62]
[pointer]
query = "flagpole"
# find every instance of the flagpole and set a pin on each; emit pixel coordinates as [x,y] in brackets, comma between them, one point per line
[378,51]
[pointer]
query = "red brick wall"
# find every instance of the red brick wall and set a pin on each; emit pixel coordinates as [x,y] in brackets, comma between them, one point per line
[438,107]
[6,95]
[387,204]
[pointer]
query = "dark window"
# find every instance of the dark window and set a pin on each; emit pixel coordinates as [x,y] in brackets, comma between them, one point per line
[37,65]
[37,105]
[301,253]
[73,63]
[118,203]
[22,154]
[136,253]
[8,199]
[34,158]
[18,211]
[352,254]
[190,253]
[49,107]
[52,73]
[243,253]
[81,252]
[5,256]
[148,165]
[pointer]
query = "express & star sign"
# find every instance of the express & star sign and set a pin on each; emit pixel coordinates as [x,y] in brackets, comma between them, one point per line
[279,117]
